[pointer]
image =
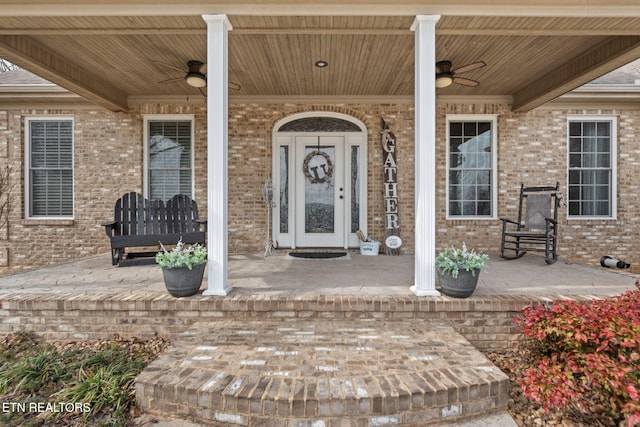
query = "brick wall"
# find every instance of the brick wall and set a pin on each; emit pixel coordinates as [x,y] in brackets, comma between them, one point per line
[532,149]
[486,322]
[250,146]
[109,162]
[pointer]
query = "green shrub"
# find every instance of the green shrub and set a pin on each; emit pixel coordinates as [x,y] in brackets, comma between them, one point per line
[95,379]
[107,388]
[33,372]
[587,357]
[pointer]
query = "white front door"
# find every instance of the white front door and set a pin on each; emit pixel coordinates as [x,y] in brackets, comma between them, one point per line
[320,191]
[319,181]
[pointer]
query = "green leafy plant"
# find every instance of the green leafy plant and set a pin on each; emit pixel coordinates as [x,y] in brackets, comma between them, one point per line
[586,357]
[452,260]
[95,379]
[182,256]
[33,372]
[107,388]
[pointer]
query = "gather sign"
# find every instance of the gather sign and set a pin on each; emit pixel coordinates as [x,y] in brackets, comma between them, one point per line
[390,183]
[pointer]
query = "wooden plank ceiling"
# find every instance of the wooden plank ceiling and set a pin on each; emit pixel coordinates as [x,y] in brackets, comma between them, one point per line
[109,59]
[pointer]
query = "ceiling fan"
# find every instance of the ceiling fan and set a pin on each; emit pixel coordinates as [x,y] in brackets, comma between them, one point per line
[195,75]
[445,75]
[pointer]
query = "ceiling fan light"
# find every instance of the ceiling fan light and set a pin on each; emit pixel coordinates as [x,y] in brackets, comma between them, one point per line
[196,79]
[443,80]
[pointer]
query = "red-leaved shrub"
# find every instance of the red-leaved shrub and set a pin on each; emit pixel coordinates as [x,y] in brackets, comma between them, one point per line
[587,357]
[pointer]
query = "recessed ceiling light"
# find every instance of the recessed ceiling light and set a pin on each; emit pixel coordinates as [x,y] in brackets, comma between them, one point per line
[321,64]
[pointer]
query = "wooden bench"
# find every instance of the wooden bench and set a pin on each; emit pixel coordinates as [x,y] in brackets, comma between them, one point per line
[140,222]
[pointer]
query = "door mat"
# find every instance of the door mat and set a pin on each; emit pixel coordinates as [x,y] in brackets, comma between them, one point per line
[318,255]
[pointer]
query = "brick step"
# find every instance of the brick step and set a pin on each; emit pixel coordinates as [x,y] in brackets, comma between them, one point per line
[322,372]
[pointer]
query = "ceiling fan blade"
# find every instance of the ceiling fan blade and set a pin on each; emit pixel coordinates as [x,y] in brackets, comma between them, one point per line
[465,82]
[469,67]
[173,80]
[169,65]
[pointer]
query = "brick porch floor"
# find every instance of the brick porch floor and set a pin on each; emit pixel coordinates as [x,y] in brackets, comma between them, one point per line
[252,274]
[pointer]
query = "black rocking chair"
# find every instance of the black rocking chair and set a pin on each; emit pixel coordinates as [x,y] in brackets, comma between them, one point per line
[537,227]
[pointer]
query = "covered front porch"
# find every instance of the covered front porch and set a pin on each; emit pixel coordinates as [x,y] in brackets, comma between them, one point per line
[262,66]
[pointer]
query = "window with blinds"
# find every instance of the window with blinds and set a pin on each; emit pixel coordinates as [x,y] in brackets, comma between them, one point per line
[50,167]
[170,161]
[471,167]
[592,159]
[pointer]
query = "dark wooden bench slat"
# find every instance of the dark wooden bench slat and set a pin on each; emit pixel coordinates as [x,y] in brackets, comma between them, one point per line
[126,214]
[160,224]
[137,215]
[144,227]
[184,214]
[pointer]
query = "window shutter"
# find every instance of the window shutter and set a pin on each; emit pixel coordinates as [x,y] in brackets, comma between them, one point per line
[51,168]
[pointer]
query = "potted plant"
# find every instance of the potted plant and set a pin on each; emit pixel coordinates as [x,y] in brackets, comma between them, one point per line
[182,268]
[458,270]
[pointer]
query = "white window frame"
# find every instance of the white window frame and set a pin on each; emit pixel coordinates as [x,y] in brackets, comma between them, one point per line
[27,167]
[614,164]
[166,118]
[493,118]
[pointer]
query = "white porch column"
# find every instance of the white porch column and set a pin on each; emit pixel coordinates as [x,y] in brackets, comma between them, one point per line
[217,153]
[424,27]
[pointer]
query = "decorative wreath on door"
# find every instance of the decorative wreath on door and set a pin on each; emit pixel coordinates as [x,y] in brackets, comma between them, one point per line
[312,173]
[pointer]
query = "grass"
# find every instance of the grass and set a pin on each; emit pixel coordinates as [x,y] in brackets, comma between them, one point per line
[73,383]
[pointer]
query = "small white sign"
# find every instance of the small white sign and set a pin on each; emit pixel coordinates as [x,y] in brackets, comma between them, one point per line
[393,242]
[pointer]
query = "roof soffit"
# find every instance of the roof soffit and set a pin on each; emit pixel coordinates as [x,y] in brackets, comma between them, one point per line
[110,59]
[569,8]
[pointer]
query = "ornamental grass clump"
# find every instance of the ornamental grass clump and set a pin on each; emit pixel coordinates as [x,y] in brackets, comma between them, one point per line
[452,260]
[586,358]
[182,256]
[77,383]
